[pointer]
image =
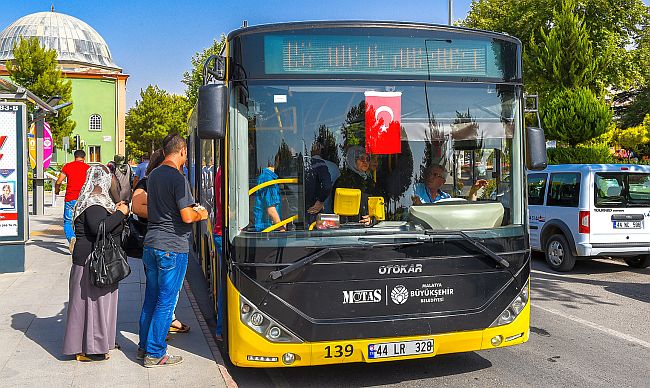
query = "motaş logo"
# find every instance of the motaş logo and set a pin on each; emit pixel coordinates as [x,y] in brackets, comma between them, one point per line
[399,269]
[362,296]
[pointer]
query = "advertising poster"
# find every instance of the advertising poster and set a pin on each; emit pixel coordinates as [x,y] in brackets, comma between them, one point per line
[48,145]
[8,171]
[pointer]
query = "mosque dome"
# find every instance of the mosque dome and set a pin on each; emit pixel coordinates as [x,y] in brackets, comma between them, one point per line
[74,40]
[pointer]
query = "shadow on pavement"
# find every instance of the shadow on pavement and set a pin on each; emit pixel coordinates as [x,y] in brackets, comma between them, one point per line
[587,266]
[54,246]
[379,374]
[556,286]
[48,332]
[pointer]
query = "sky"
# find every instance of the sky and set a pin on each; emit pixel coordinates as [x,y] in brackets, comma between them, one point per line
[153,41]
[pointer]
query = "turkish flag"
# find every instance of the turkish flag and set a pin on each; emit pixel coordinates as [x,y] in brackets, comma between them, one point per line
[383,110]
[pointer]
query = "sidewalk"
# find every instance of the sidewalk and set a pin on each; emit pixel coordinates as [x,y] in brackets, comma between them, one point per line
[32,318]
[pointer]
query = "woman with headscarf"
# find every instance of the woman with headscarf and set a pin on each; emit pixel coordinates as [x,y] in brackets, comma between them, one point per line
[92,312]
[357,175]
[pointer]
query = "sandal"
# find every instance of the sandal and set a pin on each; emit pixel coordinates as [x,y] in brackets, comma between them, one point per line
[92,357]
[183,329]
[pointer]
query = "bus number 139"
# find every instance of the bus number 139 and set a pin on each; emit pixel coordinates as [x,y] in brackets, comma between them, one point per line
[339,351]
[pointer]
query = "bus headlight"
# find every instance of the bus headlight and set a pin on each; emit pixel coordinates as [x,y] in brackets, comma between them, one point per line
[512,311]
[264,325]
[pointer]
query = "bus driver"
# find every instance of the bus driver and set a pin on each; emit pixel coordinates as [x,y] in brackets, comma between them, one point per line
[430,191]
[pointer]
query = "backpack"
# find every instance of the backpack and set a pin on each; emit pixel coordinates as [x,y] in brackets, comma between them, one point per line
[123,184]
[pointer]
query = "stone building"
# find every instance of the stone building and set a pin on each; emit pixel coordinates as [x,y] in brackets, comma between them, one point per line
[98,84]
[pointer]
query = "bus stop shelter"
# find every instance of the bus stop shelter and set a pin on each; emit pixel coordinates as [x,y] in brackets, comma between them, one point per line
[14,200]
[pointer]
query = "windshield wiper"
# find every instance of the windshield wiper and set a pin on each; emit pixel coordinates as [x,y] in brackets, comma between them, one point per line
[489,252]
[298,264]
[366,241]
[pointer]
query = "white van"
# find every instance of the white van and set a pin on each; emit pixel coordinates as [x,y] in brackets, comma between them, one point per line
[585,210]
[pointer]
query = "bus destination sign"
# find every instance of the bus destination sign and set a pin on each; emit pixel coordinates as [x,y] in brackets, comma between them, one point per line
[319,54]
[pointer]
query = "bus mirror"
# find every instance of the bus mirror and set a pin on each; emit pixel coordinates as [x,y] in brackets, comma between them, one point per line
[535,149]
[212,111]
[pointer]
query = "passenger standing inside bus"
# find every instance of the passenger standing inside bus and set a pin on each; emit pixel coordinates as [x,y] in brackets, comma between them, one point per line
[268,203]
[171,210]
[357,176]
[318,185]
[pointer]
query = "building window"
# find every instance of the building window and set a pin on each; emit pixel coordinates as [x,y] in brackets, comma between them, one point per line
[94,154]
[95,123]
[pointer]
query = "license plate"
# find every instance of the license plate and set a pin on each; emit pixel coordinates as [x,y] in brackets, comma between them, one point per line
[398,349]
[628,225]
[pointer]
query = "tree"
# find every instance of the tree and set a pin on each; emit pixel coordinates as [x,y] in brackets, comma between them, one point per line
[564,57]
[194,78]
[157,114]
[612,25]
[35,68]
[634,138]
[575,115]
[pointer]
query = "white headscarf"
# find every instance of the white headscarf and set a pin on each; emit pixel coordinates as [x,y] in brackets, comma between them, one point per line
[95,191]
[351,156]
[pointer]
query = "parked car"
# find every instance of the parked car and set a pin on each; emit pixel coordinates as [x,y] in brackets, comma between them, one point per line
[581,211]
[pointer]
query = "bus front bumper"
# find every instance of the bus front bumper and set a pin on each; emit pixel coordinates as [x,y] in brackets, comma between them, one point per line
[247,348]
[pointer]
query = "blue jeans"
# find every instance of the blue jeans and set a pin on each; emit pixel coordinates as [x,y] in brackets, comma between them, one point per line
[68,227]
[218,245]
[165,272]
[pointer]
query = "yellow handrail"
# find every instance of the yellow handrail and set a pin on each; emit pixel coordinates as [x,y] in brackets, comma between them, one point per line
[273,182]
[280,224]
[313,224]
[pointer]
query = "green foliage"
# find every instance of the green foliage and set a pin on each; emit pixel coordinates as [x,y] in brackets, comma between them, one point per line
[35,68]
[153,117]
[594,154]
[612,25]
[564,57]
[194,78]
[574,116]
[633,114]
[329,149]
[634,138]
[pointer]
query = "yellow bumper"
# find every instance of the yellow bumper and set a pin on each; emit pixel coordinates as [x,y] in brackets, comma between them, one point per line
[249,349]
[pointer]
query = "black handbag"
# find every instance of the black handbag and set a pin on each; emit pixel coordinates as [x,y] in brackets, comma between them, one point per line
[108,263]
[133,236]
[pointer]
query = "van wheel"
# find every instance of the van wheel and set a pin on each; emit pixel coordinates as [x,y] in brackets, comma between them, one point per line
[642,261]
[558,254]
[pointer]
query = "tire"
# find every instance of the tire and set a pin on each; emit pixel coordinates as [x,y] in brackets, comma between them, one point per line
[558,254]
[642,261]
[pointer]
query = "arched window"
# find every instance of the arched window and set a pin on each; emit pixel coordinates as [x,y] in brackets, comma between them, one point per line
[95,123]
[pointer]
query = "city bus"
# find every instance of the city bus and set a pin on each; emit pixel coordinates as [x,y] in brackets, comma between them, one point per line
[369,177]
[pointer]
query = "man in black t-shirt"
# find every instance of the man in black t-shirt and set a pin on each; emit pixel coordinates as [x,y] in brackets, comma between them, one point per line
[171,211]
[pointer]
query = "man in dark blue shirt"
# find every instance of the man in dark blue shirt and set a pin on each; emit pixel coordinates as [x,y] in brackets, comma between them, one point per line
[171,211]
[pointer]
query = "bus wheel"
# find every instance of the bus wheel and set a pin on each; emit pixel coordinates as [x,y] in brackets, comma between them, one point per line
[558,254]
[642,261]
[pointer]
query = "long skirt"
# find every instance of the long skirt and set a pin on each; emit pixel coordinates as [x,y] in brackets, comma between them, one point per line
[92,315]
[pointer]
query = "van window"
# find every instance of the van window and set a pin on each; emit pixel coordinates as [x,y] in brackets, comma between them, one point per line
[564,190]
[536,189]
[622,189]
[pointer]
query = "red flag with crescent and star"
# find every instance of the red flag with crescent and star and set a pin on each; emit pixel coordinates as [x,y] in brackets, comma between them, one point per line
[383,128]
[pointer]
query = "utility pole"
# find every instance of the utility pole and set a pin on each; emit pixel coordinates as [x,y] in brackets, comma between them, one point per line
[451,12]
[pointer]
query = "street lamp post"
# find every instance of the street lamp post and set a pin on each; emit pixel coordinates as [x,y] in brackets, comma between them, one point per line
[451,12]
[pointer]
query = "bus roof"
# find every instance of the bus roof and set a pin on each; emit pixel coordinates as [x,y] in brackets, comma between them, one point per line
[595,168]
[262,28]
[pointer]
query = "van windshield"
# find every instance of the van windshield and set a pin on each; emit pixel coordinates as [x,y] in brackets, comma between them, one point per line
[622,189]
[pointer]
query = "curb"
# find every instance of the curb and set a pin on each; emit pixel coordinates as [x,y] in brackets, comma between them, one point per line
[216,354]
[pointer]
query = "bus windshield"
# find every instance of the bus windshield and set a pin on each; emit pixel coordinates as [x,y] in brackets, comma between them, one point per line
[327,157]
